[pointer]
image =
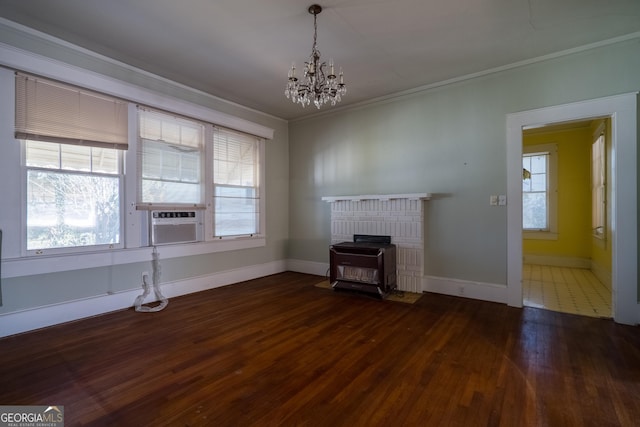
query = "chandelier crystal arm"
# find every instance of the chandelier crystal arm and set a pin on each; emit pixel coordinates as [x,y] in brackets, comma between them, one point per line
[315,85]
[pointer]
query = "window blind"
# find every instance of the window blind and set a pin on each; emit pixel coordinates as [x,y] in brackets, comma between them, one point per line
[170,129]
[55,112]
[170,156]
[235,158]
[235,182]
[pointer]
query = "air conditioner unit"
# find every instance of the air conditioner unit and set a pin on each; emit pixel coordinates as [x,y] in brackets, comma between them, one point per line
[170,227]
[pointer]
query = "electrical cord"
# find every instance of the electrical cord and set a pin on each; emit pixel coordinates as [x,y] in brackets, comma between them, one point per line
[155,264]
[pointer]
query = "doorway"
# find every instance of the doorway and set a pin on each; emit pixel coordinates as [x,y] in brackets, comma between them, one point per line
[566,246]
[622,109]
[565,289]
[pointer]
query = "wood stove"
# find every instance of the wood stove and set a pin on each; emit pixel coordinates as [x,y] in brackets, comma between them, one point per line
[368,264]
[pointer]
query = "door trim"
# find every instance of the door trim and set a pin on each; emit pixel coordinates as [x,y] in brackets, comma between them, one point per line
[623,111]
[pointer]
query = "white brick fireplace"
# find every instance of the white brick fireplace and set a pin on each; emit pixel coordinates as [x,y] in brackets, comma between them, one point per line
[400,216]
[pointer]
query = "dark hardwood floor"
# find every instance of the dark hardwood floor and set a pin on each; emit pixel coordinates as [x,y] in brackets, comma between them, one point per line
[279,351]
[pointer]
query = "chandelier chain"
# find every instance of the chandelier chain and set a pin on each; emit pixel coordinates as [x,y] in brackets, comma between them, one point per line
[315,31]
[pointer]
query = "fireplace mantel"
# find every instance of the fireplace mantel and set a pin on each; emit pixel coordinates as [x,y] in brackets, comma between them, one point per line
[383,197]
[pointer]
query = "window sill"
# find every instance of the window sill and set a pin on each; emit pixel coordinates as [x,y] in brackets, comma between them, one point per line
[32,265]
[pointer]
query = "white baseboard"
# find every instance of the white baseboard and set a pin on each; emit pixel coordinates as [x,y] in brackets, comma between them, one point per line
[308,267]
[440,285]
[603,274]
[40,317]
[557,261]
[465,288]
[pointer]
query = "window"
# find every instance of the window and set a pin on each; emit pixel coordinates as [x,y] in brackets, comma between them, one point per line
[73,140]
[236,190]
[538,188]
[74,154]
[170,155]
[535,212]
[598,186]
[73,196]
[173,167]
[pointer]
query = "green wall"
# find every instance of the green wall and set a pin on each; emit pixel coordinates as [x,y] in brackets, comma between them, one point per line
[450,141]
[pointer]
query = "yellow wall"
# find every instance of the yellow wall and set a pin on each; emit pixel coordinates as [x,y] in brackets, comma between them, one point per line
[574,194]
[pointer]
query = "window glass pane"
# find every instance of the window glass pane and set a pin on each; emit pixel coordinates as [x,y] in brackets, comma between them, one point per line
[151,160]
[535,195]
[235,224]
[68,210]
[51,155]
[538,182]
[190,167]
[157,191]
[170,165]
[104,160]
[171,153]
[534,211]
[43,154]
[238,192]
[228,173]
[538,164]
[75,157]
[232,218]
[236,211]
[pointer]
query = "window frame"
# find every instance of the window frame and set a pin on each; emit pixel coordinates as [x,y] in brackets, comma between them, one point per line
[135,222]
[551,232]
[69,250]
[259,180]
[73,118]
[207,182]
[599,135]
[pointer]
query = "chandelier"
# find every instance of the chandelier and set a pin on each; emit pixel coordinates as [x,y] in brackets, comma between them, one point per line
[315,85]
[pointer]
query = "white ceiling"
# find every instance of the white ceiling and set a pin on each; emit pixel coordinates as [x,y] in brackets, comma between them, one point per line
[241,50]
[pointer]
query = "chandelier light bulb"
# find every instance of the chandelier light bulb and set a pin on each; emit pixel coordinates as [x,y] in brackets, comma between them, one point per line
[314,85]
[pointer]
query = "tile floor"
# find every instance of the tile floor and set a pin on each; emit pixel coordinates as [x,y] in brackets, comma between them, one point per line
[569,290]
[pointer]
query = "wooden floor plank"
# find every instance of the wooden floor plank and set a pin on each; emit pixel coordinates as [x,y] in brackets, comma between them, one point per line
[279,351]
